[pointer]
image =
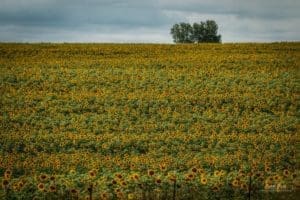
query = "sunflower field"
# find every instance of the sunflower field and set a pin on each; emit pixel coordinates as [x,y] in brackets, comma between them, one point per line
[149,121]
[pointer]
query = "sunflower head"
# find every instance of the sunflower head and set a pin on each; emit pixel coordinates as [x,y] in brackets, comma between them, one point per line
[150,172]
[135,177]
[276,177]
[52,188]
[286,172]
[162,167]
[5,183]
[203,180]
[104,195]
[74,191]
[20,184]
[194,170]
[172,177]
[117,190]
[190,176]
[114,182]
[41,186]
[215,188]
[7,174]
[52,178]
[43,177]
[123,184]
[244,186]
[158,180]
[92,173]
[217,173]
[118,175]
[267,169]
[201,171]
[130,196]
[258,175]
[235,183]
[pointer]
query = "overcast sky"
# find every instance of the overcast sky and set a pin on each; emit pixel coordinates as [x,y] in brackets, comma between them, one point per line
[145,20]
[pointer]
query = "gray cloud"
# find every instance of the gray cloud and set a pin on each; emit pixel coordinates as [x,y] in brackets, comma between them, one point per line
[265,9]
[72,13]
[145,21]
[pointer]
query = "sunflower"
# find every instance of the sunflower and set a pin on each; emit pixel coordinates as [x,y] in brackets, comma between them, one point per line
[43,177]
[5,183]
[189,177]
[123,184]
[244,186]
[135,177]
[74,191]
[117,190]
[203,180]
[201,171]
[217,173]
[194,170]
[8,171]
[221,184]
[158,180]
[267,169]
[120,195]
[21,184]
[104,195]
[277,177]
[130,196]
[172,177]
[7,176]
[268,185]
[241,174]
[52,188]
[41,186]
[52,178]
[118,175]
[281,187]
[15,187]
[235,183]
[132,166]
[150,172]
[286,172]
[215,188]
[92,173]
[258,175]
[114,182]
[162,167]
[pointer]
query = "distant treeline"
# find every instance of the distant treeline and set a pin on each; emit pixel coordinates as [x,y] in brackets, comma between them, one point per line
[196,33]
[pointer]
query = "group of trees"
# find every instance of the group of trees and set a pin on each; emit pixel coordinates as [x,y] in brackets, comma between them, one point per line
[196,33]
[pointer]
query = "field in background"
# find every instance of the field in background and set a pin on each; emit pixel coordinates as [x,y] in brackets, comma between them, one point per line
[133,121]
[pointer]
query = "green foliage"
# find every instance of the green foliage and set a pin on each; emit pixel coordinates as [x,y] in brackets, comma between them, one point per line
[205,32]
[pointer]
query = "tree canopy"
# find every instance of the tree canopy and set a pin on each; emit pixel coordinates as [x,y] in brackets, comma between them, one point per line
[197,33]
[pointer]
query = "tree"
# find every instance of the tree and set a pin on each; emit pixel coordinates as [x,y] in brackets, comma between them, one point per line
[211,31]
[198,33]
[182,33]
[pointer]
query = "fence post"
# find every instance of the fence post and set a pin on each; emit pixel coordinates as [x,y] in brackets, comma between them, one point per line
[249,190]
[174,190]
[90,189]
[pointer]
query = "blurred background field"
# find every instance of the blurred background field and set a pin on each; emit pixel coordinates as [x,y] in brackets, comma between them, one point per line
[149,121]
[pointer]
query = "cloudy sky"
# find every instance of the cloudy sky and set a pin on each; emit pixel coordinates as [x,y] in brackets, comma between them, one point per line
[145,20]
